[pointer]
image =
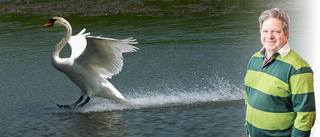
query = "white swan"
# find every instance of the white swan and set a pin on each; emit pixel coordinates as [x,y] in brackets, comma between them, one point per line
[93,59]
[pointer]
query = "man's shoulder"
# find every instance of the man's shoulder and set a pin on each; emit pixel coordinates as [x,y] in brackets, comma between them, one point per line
[295,60]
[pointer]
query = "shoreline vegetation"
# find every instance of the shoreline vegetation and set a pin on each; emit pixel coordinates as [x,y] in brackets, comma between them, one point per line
[114,7]
[68,7]
[141,7]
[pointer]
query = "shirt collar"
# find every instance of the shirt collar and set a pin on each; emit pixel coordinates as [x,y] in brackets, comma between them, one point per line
[283,51]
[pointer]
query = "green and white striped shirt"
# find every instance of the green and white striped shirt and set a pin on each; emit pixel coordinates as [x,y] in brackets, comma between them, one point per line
[279,96]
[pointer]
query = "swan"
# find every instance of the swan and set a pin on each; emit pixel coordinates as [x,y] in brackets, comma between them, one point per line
[93,59]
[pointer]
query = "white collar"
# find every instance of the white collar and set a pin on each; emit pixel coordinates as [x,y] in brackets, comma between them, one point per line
[283,51]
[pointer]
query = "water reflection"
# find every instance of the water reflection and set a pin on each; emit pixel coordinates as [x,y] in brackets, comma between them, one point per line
[109,123]
[93,124]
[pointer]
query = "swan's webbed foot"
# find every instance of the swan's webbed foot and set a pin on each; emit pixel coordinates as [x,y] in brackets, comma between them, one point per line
[74,105]
[65,106]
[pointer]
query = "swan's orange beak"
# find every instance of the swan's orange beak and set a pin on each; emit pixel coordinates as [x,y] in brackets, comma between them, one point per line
[48,24]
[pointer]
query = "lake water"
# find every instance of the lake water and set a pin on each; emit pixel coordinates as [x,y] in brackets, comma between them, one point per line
[186,79]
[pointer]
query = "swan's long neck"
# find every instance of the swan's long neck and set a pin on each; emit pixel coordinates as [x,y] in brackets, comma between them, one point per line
[56,60]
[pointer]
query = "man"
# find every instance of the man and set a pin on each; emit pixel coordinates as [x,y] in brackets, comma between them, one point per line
[279,93]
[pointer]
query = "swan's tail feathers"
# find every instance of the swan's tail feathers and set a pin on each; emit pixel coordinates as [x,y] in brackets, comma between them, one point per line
[108,91]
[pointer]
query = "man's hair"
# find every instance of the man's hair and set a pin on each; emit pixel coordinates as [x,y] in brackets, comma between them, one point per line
[278,14]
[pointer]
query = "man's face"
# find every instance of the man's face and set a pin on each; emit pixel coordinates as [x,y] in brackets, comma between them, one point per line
[272,35]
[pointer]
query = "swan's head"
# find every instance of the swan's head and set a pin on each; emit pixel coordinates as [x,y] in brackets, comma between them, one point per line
[56,21]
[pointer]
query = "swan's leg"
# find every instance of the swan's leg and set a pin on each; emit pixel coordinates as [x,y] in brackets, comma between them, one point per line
[71,106]
[76,103]
[85,102]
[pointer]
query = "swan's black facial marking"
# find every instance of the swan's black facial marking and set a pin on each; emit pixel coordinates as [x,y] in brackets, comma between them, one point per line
[51,22]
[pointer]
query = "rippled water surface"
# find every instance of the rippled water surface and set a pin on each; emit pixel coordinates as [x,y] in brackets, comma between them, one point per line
[186,79]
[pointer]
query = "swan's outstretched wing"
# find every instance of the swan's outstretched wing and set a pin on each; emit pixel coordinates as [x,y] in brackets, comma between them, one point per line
[104,55]
[78,43]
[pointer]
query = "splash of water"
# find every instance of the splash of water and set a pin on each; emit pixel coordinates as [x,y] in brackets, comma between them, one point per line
[214,89]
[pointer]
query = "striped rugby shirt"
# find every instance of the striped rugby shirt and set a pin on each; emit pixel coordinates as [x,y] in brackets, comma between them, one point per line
[279,95]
